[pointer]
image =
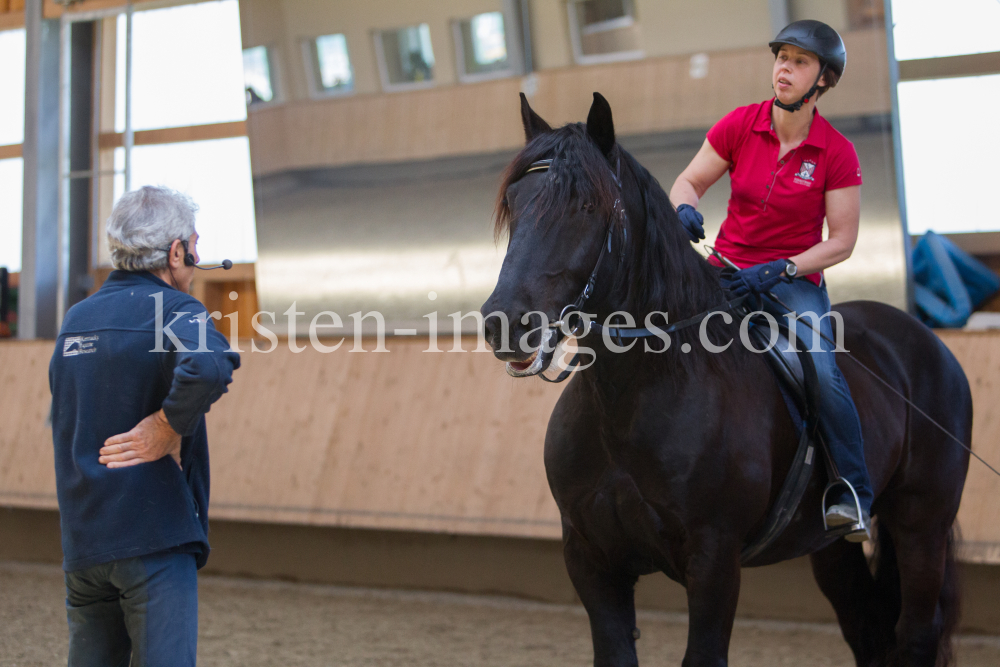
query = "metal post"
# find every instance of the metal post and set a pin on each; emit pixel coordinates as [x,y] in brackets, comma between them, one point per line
[780,15]
[128,138]
[529,64]
[37,295]
[62,263]
[81,175]
[897,152]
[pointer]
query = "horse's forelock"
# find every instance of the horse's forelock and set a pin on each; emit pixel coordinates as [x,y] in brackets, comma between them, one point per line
[578,168]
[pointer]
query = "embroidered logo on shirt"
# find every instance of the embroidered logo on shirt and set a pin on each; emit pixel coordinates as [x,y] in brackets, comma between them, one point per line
[806,170]
[805,174]
[76,345]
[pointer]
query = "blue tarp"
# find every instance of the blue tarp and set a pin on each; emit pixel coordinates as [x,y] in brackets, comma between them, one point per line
[949,283]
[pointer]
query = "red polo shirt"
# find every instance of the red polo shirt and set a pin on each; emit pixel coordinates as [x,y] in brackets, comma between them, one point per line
[777,206]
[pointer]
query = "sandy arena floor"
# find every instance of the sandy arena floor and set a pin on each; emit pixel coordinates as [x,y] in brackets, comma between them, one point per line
[260,623]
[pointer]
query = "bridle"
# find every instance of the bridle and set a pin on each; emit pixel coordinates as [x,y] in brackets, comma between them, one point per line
[581,326]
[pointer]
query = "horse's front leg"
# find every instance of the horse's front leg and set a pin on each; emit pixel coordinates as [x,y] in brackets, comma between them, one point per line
[608,595]
[713,590]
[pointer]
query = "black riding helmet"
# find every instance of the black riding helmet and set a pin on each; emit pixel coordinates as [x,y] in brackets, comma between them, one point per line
[816,37]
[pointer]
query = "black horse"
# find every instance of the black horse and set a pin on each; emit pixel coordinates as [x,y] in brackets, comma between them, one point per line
[661,460]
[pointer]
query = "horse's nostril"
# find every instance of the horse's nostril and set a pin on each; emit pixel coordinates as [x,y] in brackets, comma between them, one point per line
[489,329]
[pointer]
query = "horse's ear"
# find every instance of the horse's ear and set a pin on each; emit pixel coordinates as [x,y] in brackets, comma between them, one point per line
[533,123]
[600,127]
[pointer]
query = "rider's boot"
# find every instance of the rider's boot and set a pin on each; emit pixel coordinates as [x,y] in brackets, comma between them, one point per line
[847,513]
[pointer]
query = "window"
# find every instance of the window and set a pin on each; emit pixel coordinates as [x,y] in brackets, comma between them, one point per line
[11,215]
[12,55]
[934,29]
[257,79]
[940,155]
[188,70]
[171,84]
[329,65]
[483,48]
[406,59]
[603,31]
[216,174]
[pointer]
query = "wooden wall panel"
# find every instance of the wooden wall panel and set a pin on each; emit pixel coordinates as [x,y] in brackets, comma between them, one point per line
[443,442]
[979,516]
[650,95]
[407,440]
[27,465]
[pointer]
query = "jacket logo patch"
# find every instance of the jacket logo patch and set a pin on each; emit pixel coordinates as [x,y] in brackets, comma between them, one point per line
[76,345]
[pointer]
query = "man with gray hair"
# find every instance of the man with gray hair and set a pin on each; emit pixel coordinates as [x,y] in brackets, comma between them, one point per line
[135,369]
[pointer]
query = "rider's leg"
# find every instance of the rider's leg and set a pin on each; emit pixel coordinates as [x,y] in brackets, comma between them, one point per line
[839,423]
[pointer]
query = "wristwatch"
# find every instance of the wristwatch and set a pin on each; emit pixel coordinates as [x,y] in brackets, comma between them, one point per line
[790,269]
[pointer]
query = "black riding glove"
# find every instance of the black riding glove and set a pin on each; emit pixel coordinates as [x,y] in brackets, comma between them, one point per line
[754,279]
[694,223]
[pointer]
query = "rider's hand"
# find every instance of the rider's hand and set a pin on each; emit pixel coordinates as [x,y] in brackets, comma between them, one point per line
[754,279]
[151,440]
[694,223]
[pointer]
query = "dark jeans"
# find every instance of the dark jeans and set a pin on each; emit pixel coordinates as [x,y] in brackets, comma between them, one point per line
[839,424]
[143,610]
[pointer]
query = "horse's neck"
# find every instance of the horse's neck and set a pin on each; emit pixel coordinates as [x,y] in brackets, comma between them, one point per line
[686,285]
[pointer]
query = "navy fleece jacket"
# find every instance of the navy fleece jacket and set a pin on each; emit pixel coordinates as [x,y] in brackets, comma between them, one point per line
[110,370]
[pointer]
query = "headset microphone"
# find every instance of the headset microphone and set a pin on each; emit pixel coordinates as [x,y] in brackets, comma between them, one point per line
[226,264]
[189,260]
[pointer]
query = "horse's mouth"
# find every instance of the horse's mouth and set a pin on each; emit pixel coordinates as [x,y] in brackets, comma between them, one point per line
[537,362]
[519,368]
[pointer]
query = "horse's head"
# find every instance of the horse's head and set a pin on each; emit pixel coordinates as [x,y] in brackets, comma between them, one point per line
[557,203]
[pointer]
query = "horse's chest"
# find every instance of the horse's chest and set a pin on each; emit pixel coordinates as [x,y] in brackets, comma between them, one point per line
[619,521]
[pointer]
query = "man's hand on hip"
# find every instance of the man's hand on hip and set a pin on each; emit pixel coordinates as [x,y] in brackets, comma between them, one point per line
[150,440]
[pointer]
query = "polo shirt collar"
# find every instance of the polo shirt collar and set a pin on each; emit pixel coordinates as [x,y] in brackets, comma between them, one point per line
[817,131]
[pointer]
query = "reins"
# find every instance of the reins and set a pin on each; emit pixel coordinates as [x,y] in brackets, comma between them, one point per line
[875,375]
[581,328]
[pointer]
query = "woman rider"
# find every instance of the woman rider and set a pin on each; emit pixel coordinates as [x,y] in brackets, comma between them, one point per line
[790,169]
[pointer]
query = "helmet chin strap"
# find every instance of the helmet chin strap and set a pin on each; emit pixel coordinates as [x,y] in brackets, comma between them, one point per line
[805,98]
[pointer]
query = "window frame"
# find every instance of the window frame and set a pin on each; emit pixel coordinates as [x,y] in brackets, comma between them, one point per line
[108,139]
[310,57]
[277,89]
[515,62]
[577,32]
[383,68]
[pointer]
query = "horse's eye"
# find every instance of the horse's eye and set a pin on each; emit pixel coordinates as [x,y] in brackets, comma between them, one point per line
[589,208]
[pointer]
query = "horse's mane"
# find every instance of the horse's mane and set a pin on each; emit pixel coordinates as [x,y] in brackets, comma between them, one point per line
[664,273]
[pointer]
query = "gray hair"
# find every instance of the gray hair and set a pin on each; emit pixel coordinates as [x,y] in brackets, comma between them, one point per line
[144,223]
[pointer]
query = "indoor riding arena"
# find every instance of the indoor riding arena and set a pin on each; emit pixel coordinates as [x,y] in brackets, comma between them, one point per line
[390,485]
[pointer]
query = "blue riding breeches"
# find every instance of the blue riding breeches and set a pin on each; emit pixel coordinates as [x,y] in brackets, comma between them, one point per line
[839,424]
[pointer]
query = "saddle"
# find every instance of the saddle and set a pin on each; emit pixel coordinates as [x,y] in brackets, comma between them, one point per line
[799,387]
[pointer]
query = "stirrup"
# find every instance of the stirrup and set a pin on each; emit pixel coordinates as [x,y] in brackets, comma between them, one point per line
[847,528]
